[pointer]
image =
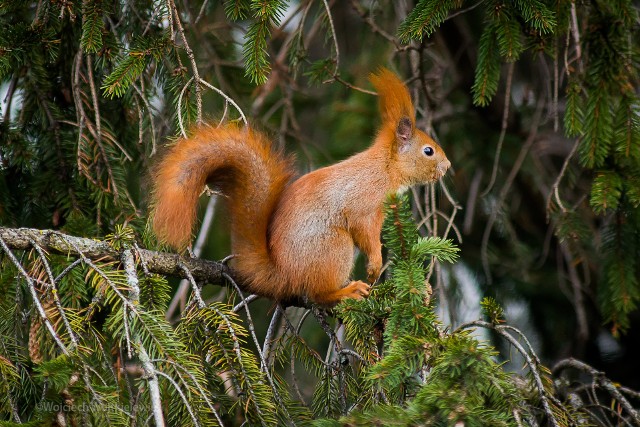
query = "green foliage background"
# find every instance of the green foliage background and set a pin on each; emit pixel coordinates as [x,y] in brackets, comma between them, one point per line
[534,101]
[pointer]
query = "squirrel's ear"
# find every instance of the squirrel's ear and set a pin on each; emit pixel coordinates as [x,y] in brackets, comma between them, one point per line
[404,132]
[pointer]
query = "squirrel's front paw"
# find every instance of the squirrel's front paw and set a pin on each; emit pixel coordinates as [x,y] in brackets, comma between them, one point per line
[357,290]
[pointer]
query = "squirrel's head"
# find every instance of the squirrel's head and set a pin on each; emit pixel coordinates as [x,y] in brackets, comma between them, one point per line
[419,159]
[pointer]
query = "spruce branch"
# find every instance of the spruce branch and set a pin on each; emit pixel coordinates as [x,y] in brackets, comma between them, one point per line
[487,72]
[92,26]
[424,19]
[156,262]
[245,379]
[537,14]
[203,393]
[530,357]
[6,247]
[237,9]
[185,401]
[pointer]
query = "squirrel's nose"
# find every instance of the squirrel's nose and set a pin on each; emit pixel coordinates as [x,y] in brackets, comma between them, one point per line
[443,166]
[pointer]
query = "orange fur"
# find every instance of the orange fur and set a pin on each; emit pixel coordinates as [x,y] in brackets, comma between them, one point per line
[295,239]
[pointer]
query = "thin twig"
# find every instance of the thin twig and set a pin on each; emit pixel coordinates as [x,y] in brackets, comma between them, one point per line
[8,99]
[576,35]
[333,36]
[180,121]
[471,201]
[98,124]
[503,130]
[352,86]
[56,298]
[228,99]
[462,11]
[555,188]
[598,377]
[134,295]
[192,59]
[556,84]
[245,302]
[194,286]
[507,186]
[375,27]
[264,365]
[268,339]
[151,121]
[181,293]
[296,335]
[201,13]
[578,298]
[238,352]
[80,114]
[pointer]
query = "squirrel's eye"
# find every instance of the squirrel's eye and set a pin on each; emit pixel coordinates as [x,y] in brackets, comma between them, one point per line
[429,151]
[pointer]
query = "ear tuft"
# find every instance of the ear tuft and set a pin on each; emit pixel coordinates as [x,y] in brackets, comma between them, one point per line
[404,131]
[394,99]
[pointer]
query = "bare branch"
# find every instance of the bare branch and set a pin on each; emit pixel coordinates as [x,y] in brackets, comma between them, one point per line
[598,378]
[156,262]
[154,388]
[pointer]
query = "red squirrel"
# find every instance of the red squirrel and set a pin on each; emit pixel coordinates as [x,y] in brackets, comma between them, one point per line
[295,237]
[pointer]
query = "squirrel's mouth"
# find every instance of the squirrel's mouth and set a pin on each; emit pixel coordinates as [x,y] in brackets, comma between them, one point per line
[442,168]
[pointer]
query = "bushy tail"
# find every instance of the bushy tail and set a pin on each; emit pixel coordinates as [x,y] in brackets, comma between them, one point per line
[237,162]
[394,98]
